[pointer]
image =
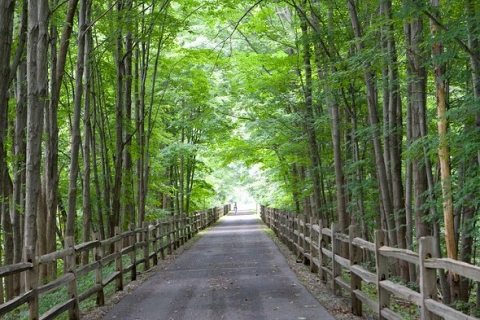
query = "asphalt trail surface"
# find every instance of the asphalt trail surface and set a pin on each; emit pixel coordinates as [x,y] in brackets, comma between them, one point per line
[234,271]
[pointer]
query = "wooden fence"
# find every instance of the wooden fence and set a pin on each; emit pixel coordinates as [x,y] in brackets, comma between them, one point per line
[321,245]
[149,242]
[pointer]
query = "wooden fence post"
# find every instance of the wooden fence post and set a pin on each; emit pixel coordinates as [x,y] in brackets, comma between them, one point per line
[31,278]
[313,244]
[133,253]
[160,238]
[189,226]
[179,230]
[293,223]
[321,257]
[184,229]
[355,281]
[169,235]
[146,246]
[98,251]
[282,227]
[306,244]
[175,232]
[428,276]
[154,237]
[71,267]
[336,267]
[382,273]
[118,261]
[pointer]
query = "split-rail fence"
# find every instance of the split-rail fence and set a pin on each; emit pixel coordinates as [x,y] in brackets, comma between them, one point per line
[137,246]
[320,246]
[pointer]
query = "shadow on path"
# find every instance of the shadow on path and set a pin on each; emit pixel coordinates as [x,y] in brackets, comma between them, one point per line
[234,271]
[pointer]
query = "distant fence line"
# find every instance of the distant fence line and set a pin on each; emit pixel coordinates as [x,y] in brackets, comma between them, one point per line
[321,246]
[151,241]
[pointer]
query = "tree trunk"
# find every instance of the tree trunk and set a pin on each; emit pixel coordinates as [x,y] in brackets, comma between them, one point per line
[308,116]
[442,122]
[423,183]
[6,28]
[19,156]
[474,45]
[114,217]
[370,80]
[76,139]
[393,129]
[51,178]
[87,133]
[128,185]
[409,181]
[34,138]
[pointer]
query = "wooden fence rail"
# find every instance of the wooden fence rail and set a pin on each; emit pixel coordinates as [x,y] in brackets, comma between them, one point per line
[321,247]
[151,241]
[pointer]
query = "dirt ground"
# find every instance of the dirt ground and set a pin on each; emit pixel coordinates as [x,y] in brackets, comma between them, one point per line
[337,306]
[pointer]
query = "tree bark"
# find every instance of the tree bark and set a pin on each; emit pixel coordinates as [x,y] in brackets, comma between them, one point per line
[308,117]
[423,184]
[128,185]
[51,175]
[87,134]
[370,80]
[34,138]
[114,217]
[75,139]
[442,123]
[393,129]
[6,28]
[468,212]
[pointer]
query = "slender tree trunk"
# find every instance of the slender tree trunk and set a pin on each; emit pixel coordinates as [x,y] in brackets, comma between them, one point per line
[76,139]
[308,117]
[423,183]
[393,129]
[128,185]
[6,29]
[409,181]
[114,218]
[370,80]
[442,122]
[34,138]
[140,74]
[42,86]
[466,253]
[87,133]
[19,156]
[51,178]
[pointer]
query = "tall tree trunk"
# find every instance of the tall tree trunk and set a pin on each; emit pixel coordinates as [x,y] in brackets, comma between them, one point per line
[6,29]
[87,134]
[19,156]
[51,175]
[128,185]
[140,73]
[76,139]
[393,129]
[370,80]
[34,138]
[308,117]
[409,180]
[423,184]
[443,148]
[114,217]
[466,253]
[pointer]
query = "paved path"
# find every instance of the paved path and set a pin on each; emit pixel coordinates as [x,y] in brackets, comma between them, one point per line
[234,271]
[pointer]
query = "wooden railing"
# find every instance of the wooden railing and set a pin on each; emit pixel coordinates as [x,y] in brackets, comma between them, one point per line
[150,242]
[321,247]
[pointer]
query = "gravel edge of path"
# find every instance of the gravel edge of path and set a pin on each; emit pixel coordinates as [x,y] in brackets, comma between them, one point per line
[337,306]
